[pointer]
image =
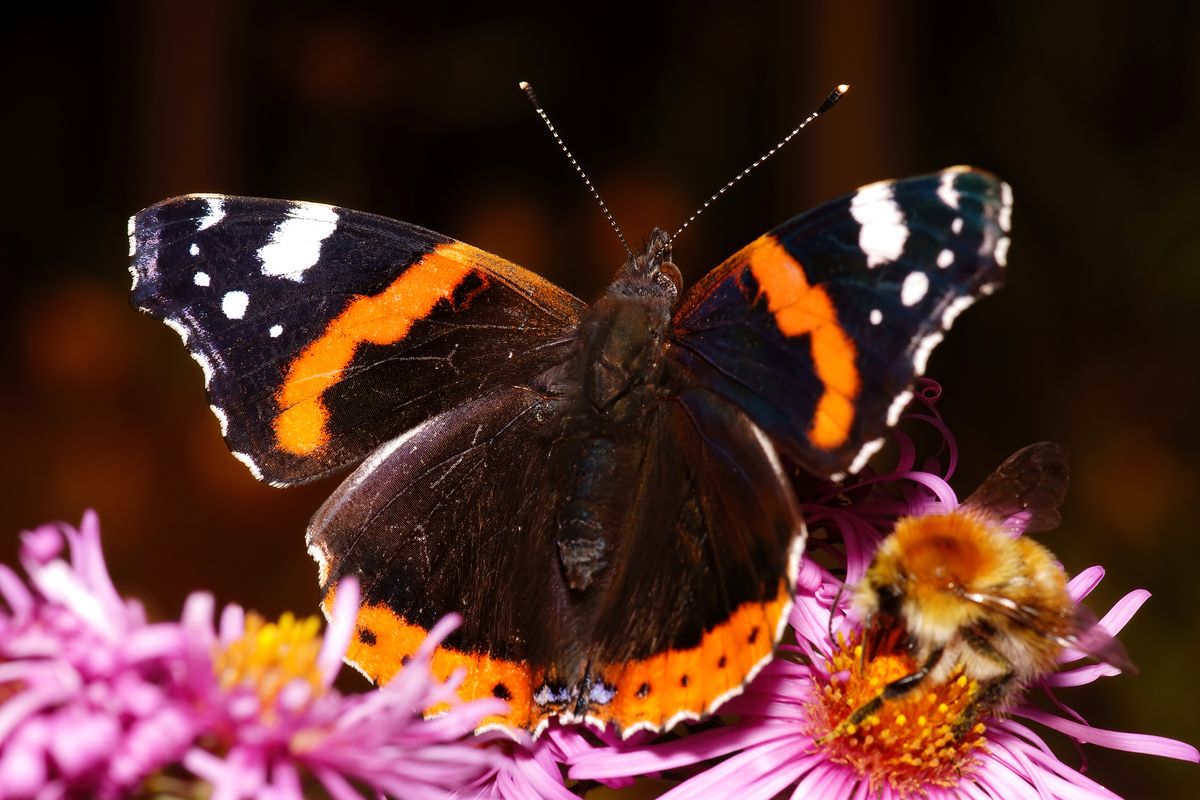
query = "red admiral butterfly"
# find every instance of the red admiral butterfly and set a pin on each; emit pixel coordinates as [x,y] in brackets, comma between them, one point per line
[599,491]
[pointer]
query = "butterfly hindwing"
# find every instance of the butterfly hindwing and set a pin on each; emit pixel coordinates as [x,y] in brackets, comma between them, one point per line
[455,517]
[818,328]
[707,582]
[324,332]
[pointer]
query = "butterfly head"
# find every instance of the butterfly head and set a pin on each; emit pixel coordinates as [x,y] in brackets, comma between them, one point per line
[651,273]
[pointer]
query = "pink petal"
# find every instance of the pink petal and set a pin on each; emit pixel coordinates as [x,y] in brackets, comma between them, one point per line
[13,590]
[1123,610]
[1117,740]
[1082,584]
[825,781]
[679,753]
[79,741]
[735,776]
[338,787]
[232,625]
[342,619]
[285,783]
[1081,675]
[23,769]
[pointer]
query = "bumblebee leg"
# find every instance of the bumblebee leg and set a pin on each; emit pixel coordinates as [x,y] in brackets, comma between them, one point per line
[991,692]
[893,691]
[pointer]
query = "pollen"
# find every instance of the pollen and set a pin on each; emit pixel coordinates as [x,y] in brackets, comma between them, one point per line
[270,656]
[908,744]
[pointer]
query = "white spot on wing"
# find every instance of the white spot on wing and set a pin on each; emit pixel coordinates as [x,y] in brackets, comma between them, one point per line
[924,349]
[914,288]
[864,455]
[945,258]
[216,213]
[201,279]
[178,327]
[946,191]
[275,331]
[219,413]
[1006,201]
[1002,251]
[957,225]
[955,308]
[250,465]
[234,303]
[132,243]
[322,558]
[205,365]
[876,316]
[295,244]
[194,249]
[897,407]
[883,232]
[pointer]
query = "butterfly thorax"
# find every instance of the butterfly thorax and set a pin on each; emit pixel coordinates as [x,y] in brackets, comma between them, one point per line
[623,335]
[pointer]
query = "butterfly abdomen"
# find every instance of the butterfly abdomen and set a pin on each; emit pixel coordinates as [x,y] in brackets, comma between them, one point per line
[617,381]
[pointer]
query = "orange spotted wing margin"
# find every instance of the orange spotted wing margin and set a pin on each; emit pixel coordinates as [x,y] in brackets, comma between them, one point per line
[324,332]
[819,328]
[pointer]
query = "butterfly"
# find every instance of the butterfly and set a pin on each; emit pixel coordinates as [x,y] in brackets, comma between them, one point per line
[602,492]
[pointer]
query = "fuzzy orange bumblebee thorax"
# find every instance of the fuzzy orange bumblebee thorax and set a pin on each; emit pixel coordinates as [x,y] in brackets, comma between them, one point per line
[943,551]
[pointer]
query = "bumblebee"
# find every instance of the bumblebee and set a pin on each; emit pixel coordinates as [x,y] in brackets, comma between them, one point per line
[965,590]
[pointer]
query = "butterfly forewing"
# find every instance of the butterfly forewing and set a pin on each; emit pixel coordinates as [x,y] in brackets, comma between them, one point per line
[818,328]
[324,332]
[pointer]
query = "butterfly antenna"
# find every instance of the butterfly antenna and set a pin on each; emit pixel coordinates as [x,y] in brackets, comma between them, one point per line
[528,90]
[834,96]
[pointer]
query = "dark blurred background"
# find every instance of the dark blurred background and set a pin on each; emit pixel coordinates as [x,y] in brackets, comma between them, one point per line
[1089,112]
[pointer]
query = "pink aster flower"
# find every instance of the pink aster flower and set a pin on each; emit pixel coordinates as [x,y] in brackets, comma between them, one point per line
[278,717]
[782,742]
[90,701]
[97,702]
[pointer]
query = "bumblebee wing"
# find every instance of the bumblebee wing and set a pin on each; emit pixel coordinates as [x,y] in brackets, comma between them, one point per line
[1090,638]
[1028,487]
[1085,634]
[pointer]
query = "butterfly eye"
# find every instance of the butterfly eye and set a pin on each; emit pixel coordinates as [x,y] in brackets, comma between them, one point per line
[670,272]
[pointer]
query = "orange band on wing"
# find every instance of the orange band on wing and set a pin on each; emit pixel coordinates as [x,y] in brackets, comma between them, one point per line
[656,689]
[384,642]
[385,318]
[801,308]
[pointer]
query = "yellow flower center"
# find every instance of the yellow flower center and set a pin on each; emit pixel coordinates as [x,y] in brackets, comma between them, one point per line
[908,743]
[270,655]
